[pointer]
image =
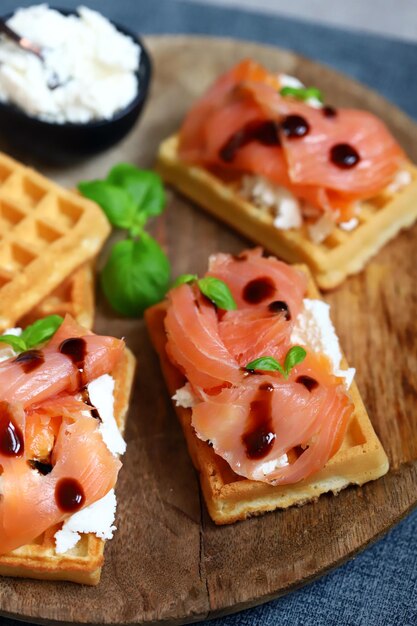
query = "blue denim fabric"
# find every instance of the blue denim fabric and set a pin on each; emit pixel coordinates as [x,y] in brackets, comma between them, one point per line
[379,587]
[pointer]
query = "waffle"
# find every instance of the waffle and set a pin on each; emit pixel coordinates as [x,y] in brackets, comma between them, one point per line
[83,563]
[46,232]
[230,497]
[341,254]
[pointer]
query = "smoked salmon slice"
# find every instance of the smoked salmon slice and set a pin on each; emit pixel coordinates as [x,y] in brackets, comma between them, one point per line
[329,158]
[53,458]
[269,426]
[38,374]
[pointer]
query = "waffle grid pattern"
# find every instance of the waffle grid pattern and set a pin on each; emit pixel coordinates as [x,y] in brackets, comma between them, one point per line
[341,254]
[46,232]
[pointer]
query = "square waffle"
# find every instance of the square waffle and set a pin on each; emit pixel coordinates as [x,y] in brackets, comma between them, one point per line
[342,253]
[230,497]
[46,232]
[83,563]
[75,296]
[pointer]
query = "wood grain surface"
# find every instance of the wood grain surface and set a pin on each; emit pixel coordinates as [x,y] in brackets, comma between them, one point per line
[168,562]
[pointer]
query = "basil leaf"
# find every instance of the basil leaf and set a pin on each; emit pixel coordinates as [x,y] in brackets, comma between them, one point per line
[116,203]
[136,275]
[183,279]
[295,355]
[313,92]
[218,292]
[264,364]
[16,343]
[144,187]
[41,331]
[302,93]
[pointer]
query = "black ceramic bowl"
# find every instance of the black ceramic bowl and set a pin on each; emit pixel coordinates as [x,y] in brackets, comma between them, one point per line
[69,142]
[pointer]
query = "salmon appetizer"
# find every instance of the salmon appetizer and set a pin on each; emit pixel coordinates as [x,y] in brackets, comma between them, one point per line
[262,365]
[59,442]
[291,154]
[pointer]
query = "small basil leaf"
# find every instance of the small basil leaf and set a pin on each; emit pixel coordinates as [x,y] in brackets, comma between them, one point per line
[16,343]
[42,330]
[313,92]
[144,187]
[184,278]
[218,292]
[116,203]
[302,93]
[264,364]
[136,275]
[295,355]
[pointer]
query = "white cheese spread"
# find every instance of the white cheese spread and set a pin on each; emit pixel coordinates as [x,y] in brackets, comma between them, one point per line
[94,62]
[101,392]
[98,518]
[283,204]
[314,328]
[401,180]
[185,397]
[350,224]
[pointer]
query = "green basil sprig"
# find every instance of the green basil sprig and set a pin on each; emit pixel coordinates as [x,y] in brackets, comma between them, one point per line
[213,288]
[294,356]
[136,274]
[302,93]
[35,334]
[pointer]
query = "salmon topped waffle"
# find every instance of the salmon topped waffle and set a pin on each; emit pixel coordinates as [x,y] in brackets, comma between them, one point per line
[60,442]
[266,389]
[294,175]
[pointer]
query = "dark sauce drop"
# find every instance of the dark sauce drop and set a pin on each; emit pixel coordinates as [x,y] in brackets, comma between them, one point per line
[344,156]
[259,436]
[279,306]
[329,111]
[265,133]
[42,468]
[86,398]
[12,442]
[75,349]
[308,382]
[258,290]
[30,360]
[69,495]
[295,126]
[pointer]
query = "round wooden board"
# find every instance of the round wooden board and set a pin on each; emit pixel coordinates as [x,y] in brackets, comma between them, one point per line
[168,562]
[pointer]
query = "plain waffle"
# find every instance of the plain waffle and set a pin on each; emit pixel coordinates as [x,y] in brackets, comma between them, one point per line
[342,253]
[74,297]
[46,233]
[83,563]
[230,497]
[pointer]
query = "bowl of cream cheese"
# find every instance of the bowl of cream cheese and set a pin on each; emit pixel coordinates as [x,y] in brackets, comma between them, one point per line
[99,72]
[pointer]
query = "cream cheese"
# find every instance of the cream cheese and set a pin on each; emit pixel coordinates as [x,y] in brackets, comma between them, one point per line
[314,328]
[94,62]
[284,205]
[98,518]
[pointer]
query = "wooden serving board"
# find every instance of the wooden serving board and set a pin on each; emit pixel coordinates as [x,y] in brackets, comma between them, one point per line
[168,562]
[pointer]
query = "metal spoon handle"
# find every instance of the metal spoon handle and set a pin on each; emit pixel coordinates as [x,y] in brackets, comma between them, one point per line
[20,41]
